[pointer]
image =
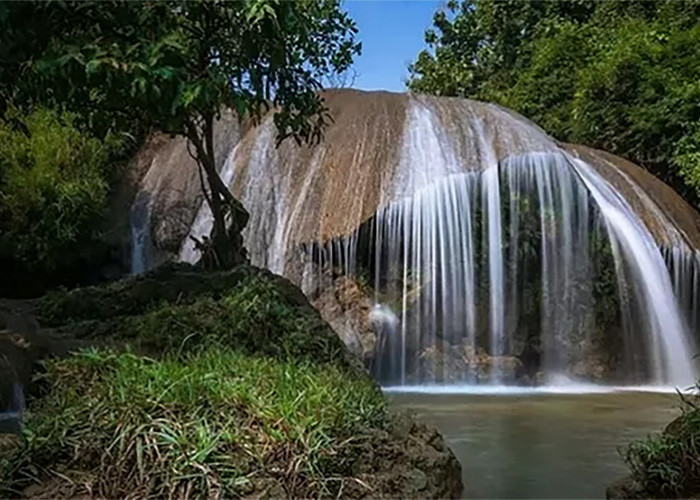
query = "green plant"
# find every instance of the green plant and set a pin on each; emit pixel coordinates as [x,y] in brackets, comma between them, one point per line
[53,190]
[668,465]
[687,156]
[212,423]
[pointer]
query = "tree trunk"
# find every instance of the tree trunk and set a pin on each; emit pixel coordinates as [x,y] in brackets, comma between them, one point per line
[226,242]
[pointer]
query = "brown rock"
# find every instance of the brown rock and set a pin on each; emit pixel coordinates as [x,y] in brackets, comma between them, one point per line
[346,306]
[624,488]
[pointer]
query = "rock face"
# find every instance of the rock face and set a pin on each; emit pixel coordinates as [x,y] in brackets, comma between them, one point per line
[409,460]
[460,364]
[494,225]
[168,192]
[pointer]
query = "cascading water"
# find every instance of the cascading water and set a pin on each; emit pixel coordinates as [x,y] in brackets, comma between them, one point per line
[139,221]
[494,255]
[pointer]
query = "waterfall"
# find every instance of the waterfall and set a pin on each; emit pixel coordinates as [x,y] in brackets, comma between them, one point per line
[11,418]
[139,222]
[663,318]
[493,254]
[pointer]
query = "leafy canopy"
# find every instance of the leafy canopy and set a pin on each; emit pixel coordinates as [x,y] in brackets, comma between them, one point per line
[166,62]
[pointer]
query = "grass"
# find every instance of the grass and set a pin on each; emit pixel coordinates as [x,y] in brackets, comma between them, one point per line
[198,385]
[217,422]
[254,314]
[229,384]
[668,465]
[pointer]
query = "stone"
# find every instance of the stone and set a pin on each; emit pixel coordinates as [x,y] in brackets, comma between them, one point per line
[465,363]
[624,488]
[418,479]
[346,306]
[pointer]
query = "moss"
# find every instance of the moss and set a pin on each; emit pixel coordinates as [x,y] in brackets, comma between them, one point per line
[171,283]
[253,315]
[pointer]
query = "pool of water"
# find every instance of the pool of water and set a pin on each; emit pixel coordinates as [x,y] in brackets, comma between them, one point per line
[541,444]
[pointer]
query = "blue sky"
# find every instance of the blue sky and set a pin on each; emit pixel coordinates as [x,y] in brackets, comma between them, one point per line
[391,32]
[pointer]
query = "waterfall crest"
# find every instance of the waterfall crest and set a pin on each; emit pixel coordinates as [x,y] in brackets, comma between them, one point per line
[492,253]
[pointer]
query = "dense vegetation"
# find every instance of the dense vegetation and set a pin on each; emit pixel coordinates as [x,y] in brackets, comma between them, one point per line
[668,465]
[229,385]
[54,182]
[620,76]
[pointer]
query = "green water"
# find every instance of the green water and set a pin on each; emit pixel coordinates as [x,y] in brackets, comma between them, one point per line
[541,445]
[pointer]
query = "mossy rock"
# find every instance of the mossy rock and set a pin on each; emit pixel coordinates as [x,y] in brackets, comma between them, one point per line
[225,384]
[179,307]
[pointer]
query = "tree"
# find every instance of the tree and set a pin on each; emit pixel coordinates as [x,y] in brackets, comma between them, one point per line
[175,65]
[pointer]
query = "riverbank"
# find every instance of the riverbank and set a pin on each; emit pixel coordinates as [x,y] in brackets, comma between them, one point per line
[210,384]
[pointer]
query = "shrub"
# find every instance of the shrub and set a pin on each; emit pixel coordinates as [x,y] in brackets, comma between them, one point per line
[53,189]
[687,157]
[668,465]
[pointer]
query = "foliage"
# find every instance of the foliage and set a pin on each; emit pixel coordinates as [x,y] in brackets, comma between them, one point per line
[53,188]
[177,309]
[174,65]
[214,423]
[175,62]
[253,316]
[687,157]
[668,465]
[620,76]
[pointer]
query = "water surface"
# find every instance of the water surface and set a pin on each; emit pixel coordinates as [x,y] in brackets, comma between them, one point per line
[541,445]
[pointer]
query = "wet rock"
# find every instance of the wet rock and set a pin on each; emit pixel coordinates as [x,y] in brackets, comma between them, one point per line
[419,480]
[346,306]
[458,363]
[625,488]
[409,462]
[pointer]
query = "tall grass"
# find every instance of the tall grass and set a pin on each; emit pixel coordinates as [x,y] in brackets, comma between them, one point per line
[214,423]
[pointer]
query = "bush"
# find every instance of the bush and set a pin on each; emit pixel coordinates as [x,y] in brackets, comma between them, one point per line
[53,193]
[668,466]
